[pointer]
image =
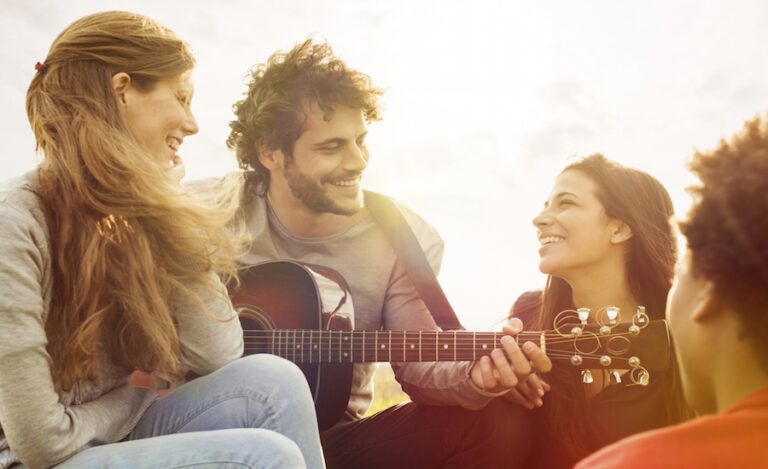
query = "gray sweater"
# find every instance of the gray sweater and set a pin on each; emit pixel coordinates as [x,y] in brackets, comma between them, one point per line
[382,293]
[39,425]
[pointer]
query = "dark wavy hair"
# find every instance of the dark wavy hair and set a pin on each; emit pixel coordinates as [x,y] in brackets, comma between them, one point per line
[727,227]
[273,112]
[642,202]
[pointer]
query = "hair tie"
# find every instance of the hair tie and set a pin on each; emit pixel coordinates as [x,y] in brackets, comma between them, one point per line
[40,67]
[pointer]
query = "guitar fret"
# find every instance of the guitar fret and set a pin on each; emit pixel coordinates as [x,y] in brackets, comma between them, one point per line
[363,346]
[389,356]
[303,346]
[474,346]
[420,346]
[376,345]
[454,345]
[404,336]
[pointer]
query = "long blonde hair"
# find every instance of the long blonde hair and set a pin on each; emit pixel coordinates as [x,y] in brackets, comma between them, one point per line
[124,238]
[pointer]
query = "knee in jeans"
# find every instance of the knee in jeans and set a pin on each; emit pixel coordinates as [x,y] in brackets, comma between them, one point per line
[279,370]
[263,446]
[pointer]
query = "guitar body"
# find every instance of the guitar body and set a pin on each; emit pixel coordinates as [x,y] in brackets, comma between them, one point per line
[284,295]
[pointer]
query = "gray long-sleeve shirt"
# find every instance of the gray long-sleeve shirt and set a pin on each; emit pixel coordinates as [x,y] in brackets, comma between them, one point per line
[383,295]
[40,426]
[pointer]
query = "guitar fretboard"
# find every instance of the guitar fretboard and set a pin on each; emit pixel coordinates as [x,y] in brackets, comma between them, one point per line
[313,346]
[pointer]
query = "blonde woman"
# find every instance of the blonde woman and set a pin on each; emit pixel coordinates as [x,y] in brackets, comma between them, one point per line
[107,266]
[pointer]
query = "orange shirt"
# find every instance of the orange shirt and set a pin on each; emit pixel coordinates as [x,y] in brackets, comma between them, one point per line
[735,438]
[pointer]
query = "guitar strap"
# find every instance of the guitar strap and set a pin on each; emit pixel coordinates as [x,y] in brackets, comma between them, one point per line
[408,250]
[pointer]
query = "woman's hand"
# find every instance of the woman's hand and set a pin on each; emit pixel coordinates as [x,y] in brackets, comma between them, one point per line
[512,368]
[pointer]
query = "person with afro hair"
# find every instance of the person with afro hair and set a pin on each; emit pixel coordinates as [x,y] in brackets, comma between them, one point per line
[718,313]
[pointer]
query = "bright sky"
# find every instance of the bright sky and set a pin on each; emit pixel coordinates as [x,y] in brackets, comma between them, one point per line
[484,102]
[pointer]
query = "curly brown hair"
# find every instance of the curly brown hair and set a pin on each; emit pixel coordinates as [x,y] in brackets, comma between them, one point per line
[727,227]
[273,112]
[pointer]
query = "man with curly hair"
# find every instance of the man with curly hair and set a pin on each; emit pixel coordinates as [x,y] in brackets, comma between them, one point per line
[718,312]
[300,134]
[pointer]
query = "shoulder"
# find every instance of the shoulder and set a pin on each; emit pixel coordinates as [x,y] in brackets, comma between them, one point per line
[527,306]
[675,446]
[20,208]
[425,233]
[636,451]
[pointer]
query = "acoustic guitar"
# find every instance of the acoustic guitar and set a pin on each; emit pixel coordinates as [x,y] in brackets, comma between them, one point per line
[280,311]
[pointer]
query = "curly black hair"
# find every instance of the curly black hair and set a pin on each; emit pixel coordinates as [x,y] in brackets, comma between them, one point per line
[727,228]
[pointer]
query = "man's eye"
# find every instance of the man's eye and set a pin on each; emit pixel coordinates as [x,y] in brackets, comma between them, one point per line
[566,202]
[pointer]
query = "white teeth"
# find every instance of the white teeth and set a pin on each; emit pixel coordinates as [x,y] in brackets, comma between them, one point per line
[346,182]
[173,144]
[550,240]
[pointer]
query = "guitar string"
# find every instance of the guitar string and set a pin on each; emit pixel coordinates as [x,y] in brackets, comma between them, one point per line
[424,345]
[588,335]
[289,335]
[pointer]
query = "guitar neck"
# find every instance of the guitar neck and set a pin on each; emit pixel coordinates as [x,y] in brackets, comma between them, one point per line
[312,346]
[331,346]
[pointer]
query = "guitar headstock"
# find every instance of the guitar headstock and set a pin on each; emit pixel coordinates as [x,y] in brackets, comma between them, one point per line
[602,341]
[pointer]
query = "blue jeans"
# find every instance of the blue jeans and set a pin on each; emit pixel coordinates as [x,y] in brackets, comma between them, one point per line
[256,412]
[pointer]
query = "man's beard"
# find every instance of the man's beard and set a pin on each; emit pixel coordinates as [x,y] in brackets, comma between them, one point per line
[312,194]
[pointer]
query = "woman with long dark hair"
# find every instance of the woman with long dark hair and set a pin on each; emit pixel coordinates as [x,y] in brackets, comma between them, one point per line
[606,240]
[108,266]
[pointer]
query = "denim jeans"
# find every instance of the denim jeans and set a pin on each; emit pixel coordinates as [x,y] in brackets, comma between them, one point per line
[256,412]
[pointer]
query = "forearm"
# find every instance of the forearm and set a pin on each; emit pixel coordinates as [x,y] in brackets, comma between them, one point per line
[210,333]
[41,430]
[441,383]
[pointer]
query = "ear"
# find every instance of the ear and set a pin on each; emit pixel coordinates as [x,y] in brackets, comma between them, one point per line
[121,83]
[272,159]
[707,304]
[621,232]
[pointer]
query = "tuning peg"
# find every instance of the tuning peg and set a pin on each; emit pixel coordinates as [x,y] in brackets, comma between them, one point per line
[634,330]
[634,362]
[605,330]
[644,378]
[613,314]
[576,330]
[615,376]
[641,318]
[586,377]
[605,360]
[576,360]
[583,314]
